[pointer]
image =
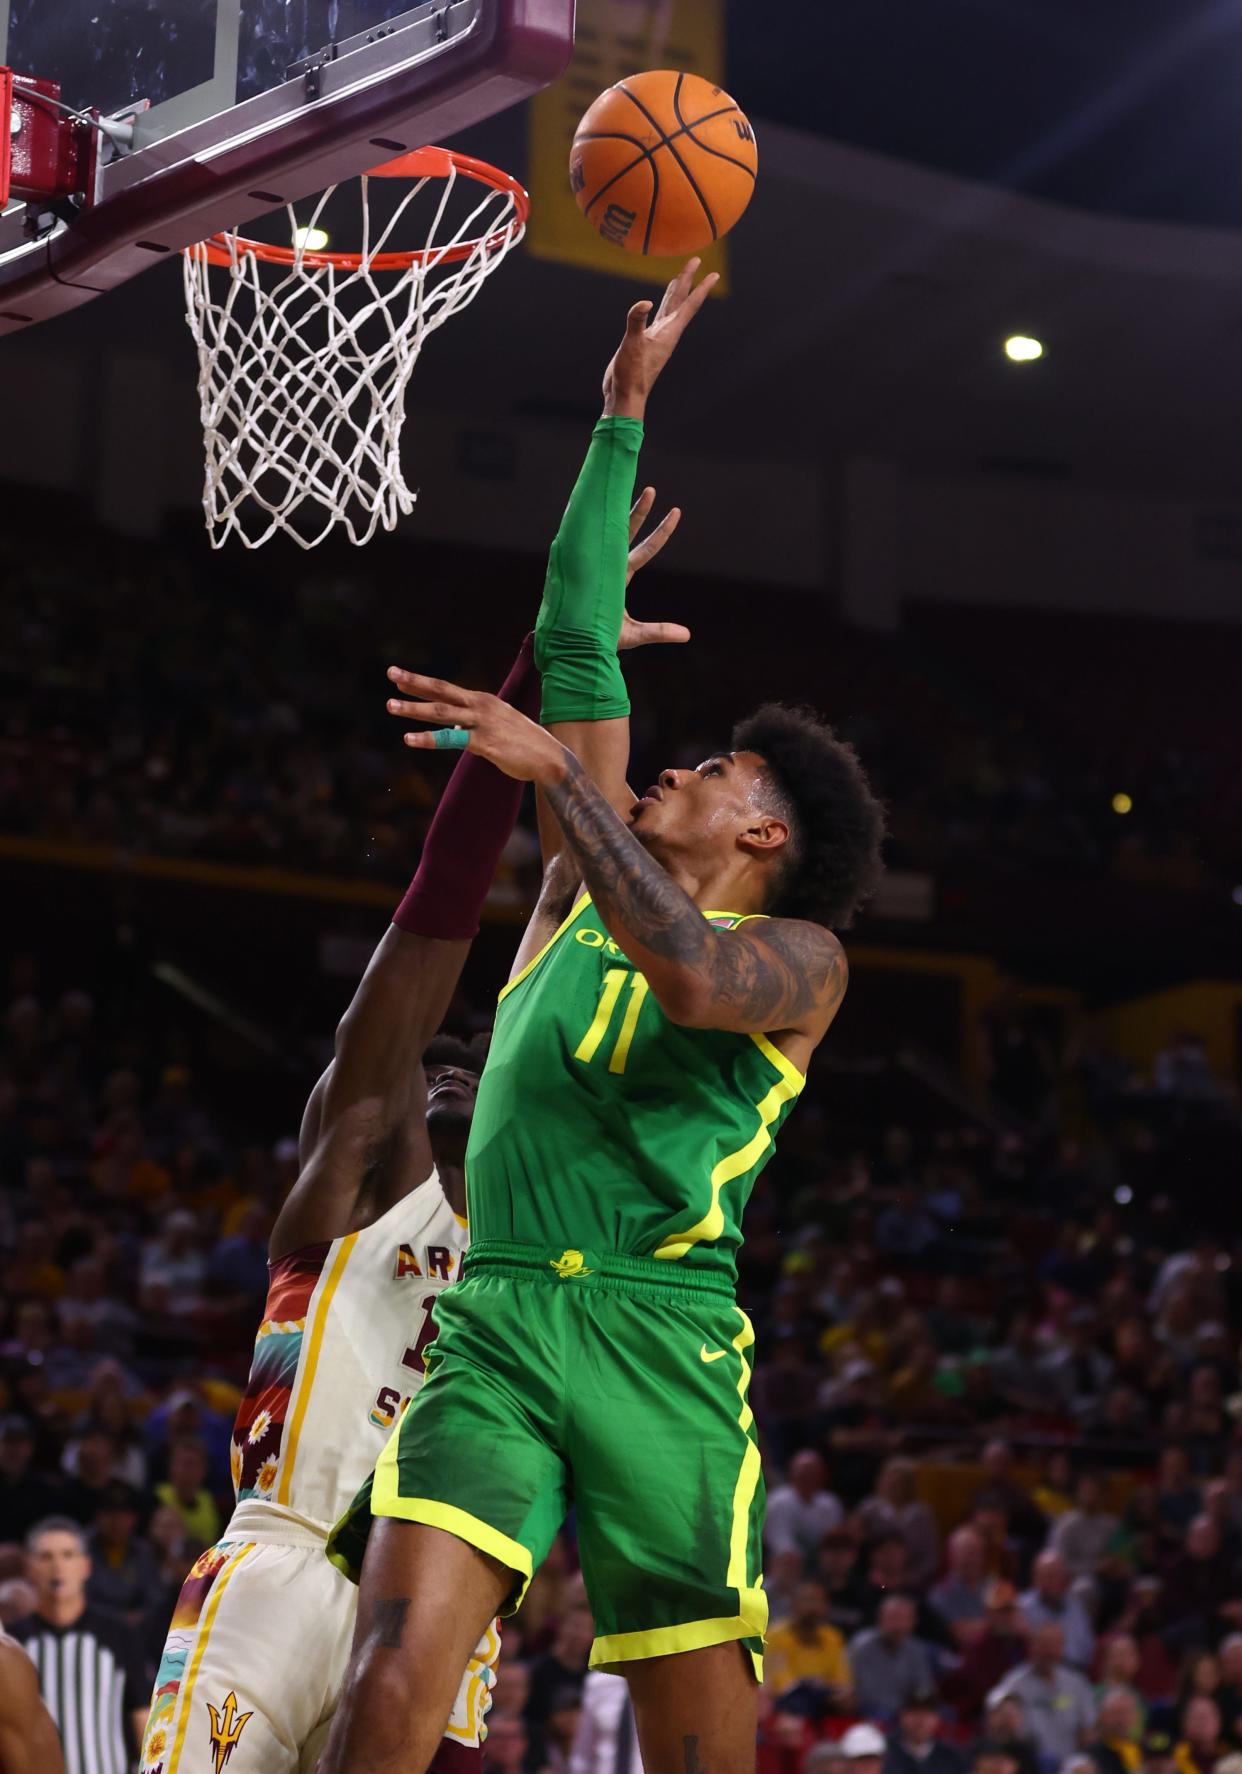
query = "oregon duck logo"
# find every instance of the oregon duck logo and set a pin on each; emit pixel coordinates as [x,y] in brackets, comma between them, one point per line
[227,1726]
[569,1265]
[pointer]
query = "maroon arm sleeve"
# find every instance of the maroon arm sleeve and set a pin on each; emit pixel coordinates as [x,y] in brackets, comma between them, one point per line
[471,827]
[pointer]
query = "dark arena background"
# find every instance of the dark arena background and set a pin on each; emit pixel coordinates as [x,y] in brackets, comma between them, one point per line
[959,451]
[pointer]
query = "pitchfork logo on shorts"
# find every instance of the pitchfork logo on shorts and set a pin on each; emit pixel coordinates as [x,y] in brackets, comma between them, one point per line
[227,1726]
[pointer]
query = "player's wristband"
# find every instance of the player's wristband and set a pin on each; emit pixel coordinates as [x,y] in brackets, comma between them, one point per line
[451,738]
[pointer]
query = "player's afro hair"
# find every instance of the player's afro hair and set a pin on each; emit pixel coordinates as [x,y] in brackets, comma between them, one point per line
[836,822]
[449,1050]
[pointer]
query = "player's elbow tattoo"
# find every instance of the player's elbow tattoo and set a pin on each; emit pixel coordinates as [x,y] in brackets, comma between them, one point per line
[795,969]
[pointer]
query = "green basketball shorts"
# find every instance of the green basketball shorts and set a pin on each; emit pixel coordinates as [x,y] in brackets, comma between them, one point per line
[562,1378]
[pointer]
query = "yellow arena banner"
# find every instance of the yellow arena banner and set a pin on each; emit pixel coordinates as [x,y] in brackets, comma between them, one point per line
[614,38]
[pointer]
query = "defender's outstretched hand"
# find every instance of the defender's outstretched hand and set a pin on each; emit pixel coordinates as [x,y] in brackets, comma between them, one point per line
[645,350]
[646,634]
[473,720]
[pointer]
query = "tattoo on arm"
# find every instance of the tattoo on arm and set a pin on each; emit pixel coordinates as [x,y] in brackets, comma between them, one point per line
[771,979]
[780,973]
[622,878]
[388,1621]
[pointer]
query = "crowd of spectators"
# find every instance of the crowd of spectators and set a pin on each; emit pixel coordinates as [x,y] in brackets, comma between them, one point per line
[1001,1403]
[152,704]
[998,1381]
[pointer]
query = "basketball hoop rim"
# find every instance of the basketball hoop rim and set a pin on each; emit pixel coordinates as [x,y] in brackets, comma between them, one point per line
[421,163]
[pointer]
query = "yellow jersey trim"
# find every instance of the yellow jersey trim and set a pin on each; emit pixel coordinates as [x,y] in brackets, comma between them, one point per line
[187,1692]
[781,1061]
[695,1635]
[343,1566]
[734,1164]
[386,1499]
[307,1378]
[463,1526]
[751,1599]
[553,939]
[461,1219]
[751,1619]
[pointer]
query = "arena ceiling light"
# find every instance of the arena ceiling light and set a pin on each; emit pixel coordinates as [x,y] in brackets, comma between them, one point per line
[1122,804]
[310,240]
[1021,348]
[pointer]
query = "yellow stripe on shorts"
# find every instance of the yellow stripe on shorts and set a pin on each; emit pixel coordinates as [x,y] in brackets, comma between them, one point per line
[186,1695]
[750,1598]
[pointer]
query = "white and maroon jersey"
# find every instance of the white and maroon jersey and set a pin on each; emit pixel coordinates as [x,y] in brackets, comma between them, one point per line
[338,1355]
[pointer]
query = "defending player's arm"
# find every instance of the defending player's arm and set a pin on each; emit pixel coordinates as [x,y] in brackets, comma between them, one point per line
[371,1097]
[784,974]
[582,559]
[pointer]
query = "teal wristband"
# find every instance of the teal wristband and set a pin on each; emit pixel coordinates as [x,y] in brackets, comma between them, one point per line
[451,738]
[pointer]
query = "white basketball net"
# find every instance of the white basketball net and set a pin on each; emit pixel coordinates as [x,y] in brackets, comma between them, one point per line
[302,368]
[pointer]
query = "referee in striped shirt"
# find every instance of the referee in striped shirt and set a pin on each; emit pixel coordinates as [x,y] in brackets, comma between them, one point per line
[89,1671]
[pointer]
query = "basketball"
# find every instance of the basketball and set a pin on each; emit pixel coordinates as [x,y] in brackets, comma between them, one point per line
[663,163]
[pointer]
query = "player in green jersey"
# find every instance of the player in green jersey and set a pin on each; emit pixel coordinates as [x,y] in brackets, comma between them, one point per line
[677,976]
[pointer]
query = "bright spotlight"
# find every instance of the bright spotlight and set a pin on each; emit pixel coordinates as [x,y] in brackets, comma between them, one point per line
[310,240]
[1236,896]
[1122,804]
[1021,349]
[1123,1194]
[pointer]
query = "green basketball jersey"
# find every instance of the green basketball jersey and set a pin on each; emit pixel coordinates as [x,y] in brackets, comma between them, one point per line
[602,1126]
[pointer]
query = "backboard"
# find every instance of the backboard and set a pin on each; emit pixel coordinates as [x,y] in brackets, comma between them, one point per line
[177,118]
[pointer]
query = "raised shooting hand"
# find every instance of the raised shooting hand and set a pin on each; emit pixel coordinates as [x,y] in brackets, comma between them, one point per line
[649,343]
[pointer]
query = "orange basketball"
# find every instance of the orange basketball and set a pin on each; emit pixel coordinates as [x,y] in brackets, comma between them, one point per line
[663,163]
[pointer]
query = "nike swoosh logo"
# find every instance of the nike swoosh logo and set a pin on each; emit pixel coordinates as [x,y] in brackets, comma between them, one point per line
[715,1355]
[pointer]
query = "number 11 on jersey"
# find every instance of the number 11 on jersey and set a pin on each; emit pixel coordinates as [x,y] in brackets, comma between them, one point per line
[614,982]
